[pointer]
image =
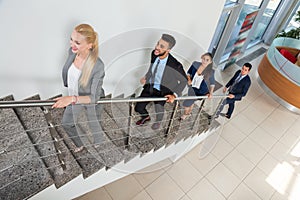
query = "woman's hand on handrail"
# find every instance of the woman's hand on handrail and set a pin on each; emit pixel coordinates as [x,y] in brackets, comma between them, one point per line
[62,102]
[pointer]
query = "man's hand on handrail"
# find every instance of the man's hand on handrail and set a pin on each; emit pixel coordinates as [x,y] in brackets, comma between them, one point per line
[170,98]
[143,80]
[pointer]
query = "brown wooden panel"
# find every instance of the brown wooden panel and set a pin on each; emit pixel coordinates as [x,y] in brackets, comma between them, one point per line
[278,83]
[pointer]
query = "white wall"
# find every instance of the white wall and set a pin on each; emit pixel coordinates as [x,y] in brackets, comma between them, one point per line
[34,37]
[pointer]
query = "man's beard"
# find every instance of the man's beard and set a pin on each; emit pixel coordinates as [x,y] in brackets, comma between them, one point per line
[161,54]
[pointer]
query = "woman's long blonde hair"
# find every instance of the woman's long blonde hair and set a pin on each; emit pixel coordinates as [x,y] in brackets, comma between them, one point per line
[91,37]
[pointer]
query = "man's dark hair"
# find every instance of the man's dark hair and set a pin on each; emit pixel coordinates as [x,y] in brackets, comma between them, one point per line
[248,65]
[169,39]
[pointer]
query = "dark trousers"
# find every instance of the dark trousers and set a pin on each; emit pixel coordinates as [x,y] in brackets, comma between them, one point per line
[192,92]
[159,105]
[230,103]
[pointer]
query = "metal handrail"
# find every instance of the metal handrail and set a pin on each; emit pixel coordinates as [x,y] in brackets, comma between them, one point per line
[40,103]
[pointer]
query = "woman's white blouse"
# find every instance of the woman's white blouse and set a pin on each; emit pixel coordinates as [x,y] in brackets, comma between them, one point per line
[73,78]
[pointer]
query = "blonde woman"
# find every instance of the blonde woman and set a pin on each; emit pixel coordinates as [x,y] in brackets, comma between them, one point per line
[83,75]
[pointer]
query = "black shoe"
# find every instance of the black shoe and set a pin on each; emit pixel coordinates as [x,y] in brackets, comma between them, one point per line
[155,126]
[225,115]
[209,118]
[143,121]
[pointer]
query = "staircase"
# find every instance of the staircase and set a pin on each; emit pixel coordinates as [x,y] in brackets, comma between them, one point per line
[37,154]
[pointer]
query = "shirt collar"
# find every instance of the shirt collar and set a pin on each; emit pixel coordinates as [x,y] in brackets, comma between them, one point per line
[162,60]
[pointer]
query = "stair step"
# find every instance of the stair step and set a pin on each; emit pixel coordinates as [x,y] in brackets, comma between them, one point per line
[188,128]
[33,119]
[106,152]
[185,128]
[115,125]
[128,155]
[120,113]
[143,137]
[114,121]
[110,154]
[111,129]
[116,136]
[22,172]
[203,125]
[88,163]
[214,125]
[170,138]
[71,167]
[107,105]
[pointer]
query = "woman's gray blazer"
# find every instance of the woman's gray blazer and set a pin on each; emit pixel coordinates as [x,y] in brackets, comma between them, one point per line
[94,87]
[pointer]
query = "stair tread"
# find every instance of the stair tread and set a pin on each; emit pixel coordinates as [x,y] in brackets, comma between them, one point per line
[33,119]
[116,130]
[112,130]
[23,173]
[72,168]
[88,163]
[106,152]
[114,121]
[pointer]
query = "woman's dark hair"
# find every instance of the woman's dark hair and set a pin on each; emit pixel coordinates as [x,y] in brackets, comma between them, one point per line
[208,54]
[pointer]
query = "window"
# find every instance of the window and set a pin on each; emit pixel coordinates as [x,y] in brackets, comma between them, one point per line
[228,2]
[249,7]
[292,23]
[264,21]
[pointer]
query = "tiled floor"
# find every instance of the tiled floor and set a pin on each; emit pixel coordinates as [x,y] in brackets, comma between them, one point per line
[256,157]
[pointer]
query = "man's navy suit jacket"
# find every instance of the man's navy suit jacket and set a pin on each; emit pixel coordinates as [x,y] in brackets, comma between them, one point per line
[240,89]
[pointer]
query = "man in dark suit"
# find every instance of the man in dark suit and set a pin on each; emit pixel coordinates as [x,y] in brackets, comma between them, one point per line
[237,88]
[165,78]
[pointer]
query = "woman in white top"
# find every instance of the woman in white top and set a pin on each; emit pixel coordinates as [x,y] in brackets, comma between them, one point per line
[83,74]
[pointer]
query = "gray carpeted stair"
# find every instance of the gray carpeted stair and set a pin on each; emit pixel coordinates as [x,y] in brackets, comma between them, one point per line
[55,155]
[22,172]
[88,163]
[116,126]
[142,138]
[116,135]
[112,130]
[183,129]
[37,152]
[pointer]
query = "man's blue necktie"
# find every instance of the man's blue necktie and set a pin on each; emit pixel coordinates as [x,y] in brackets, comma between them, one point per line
[153,75]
